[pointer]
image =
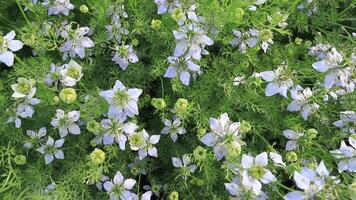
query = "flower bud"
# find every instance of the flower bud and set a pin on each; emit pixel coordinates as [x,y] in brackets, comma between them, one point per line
[97,156]
[173,195]
[135,171]
[156,24]
[266,34]
[177,14]
[239,13]
[158,103]
[298,41]
[245,127]
[20,160]
[311,133]
[199,153]
[233,149]
[84,9]
[291,156]
[134,42]
[94,126]
[68,95]
[181,105]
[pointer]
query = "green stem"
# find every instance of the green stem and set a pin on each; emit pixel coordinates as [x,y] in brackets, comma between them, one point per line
[23,13]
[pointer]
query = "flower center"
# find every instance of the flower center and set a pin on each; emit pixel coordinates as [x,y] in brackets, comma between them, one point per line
[74,72]
[50,149]
[257,172]
[24,87]
[116,128]
[64,121]
[136,140]
[121,98]
[123,51]
[117,189]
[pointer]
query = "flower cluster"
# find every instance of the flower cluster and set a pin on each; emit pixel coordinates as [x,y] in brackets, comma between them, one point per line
[191,41]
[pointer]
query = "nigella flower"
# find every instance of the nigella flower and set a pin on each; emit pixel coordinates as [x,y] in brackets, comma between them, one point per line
[119,188]
[35,137]
[191,40]
[52,78]
[116,130]
[301,102]
[245,39]
[293,137]
[182,67]
[116,30]
[346,155]
[224,136]
[279,81]
[24,89]
[162,6]
[66,122]
[76,42]
[347,122]
[124,55]
[185,165]
[277,159]
[255,172]
[70,73]
[313,183]
[7,46]
[331,64]
[320,51]
[174,128]
[56,7]
[122,101]
[51,150]
[239,191]
[148,148]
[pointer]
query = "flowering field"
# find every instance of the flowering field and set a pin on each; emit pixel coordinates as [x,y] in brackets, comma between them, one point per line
[177,99]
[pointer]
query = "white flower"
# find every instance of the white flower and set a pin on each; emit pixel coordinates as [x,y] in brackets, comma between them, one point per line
[347,122]
[119,188]
[255,172]
[174,128]
[240,192]
[51,150]
[7,46]
[311,182]
[24,89]
[346,156]
[191,40]
[320,51]
[279,83]
[66,122]
[183,67]
[301,102]
[56,7]
[52,78]
[122,101]
[116,130]
[76,42]
[245,39]
[184,164]
[335,73]
[124,55]
[34,137]
[224,136]
[148,149]
[70,73]
[293,137]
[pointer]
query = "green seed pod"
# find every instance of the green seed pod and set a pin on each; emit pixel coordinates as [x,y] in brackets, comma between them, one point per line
[291,156]
[158,103]
[68,95]
[156,24]
[97,156]
[20,160]
[181,105]
[173,195]
[84,9]
[199,153]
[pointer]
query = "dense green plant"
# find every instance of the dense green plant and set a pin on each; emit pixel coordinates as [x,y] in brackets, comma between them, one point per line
[283,69]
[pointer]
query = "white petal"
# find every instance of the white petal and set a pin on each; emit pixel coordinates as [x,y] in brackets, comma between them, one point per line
[7,58]
[321,66]
[185,78]
[267,76]
[153,152]
[134,93]
[59,154]
[59,143]
[177,162]
[268,177]
[209,139]
[294,196]
[108,186]
[142,153]
[129,183]
[301,181]
[10,36]
[154,139]
[171,72]
[261,159]
[118,179]
[272,89]
[291,145]
[74,129]
[48,158]
[15,45]
[246,161]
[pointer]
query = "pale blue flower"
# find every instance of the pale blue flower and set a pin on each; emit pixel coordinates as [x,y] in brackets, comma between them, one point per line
[66,122]
[124,55]
[347,122]
[51,150]
[35,137]
[278,82]
[185,68]
[245,39]
[184,163]
[116,130]
[7,46]
[148,148]
[122,101]
[301,102]
[173,128]
[119,188]
[56,7]
[346,155]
